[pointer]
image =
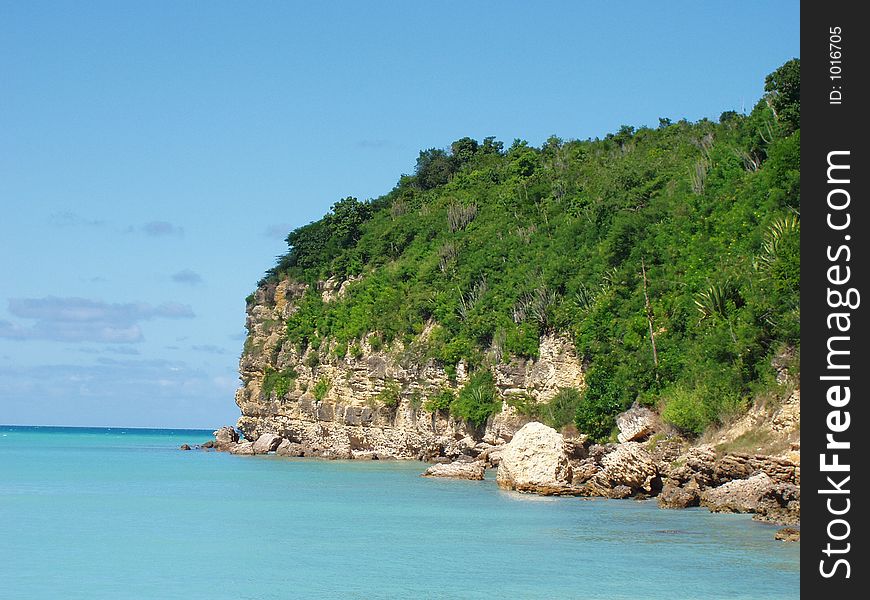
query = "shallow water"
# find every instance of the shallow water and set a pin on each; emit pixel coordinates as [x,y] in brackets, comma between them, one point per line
[112,513]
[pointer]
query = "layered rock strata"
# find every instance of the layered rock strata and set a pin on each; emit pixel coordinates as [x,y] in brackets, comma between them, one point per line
[344,404]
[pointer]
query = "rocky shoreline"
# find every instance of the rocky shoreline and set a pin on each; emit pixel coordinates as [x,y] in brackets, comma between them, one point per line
[373,402]
[540,460]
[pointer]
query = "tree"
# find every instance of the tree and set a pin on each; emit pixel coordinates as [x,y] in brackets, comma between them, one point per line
[348,215]
[463,150]
[783,88]
[434,168]
[491,146]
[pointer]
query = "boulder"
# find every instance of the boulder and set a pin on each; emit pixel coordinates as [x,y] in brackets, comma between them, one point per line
[631,466]
[674,496]
[184,447]
[696,465]
[739,495]
[364,455]
[245,448]
[458,470]
[492,456]
[635,424]
[788,534]
[780,504]
[208,444]
[267,442]
[736,465]
[584,470]
[535,461]
[225,437]
[288,448]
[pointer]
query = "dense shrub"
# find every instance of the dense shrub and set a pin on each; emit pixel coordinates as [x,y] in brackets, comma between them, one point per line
[440,401]
[477,399]
[321,388]
[278,381]
[389,396]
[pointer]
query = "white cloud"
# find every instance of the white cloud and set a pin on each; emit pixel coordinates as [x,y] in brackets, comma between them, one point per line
[85,320]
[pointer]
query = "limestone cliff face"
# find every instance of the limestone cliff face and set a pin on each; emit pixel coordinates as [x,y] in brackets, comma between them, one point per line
[334,405]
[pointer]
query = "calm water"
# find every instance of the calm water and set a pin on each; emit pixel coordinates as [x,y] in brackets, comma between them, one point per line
[98,513]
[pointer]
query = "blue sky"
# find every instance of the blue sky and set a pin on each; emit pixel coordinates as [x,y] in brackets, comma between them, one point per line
[153,155]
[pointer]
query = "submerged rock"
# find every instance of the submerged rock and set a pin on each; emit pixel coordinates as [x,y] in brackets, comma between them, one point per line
[457,470]
[535,461]
[184,447]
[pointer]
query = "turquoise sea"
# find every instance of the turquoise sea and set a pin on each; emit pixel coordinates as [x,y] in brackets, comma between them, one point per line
[122,513]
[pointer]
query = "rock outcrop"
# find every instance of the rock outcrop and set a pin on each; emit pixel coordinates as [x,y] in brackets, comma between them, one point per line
[788,534]
[636,424]
[225,436]
[767,486]
[738,495]
[626,471]
[288,448]
[458,470]
[367,399]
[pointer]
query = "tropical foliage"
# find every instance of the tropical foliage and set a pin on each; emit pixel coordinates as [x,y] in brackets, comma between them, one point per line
[687,233]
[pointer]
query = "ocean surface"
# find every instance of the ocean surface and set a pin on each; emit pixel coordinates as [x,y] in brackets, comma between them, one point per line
[122,513]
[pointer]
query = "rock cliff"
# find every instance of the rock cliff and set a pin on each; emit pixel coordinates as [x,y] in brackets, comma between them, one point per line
[371,403]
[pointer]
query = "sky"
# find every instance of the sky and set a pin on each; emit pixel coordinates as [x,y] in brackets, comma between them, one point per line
[154,155]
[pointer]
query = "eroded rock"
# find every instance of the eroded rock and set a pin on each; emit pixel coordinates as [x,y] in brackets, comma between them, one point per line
[225,437]
[244,448]
[739,495]
[288,448]
[535,461]
[458,470]
[268,442]
[636,424]
[674,496]
[630,466]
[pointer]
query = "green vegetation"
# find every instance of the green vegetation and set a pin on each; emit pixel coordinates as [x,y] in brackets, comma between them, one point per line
[559,412]
[389,396]
[670,256]
[477,399]
[321,388]
[475,402]
[278,381]
[440,402]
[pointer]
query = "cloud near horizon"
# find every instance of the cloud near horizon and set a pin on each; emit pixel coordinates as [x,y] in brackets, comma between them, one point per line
[118,392]
[68,218]
[187,276]
[157,229]
[84,320]
[209,348]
